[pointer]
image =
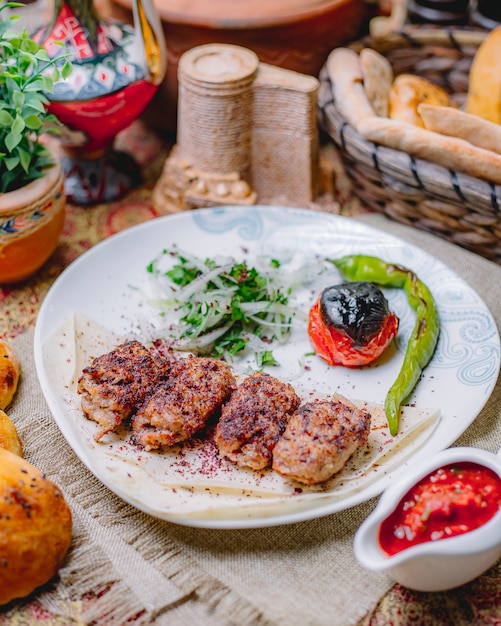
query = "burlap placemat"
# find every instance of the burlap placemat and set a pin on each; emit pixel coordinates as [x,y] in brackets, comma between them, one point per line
[126,565]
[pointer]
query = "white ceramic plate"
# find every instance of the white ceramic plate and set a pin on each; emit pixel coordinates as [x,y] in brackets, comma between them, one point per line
[102,285]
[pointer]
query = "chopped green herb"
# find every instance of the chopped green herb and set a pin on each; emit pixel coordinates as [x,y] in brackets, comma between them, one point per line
[265,358]
[223,307]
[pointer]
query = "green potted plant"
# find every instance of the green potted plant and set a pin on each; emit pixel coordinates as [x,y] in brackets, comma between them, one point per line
[32,196]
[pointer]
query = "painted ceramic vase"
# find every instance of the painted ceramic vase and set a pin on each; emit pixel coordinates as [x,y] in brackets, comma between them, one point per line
[117,69]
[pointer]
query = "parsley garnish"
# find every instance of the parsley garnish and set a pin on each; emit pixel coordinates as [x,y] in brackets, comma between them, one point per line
[224,307]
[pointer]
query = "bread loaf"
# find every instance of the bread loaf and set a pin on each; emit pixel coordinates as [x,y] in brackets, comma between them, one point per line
[10,370]
[407,92]
[9,438]
[484,87]
[35,527]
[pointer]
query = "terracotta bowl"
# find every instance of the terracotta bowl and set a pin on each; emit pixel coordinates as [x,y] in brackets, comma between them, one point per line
[293,34]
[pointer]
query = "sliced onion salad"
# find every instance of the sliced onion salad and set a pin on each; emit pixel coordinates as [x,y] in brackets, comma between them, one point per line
[223,307]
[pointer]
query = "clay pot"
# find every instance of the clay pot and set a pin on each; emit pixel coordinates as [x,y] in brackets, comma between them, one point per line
[31,221]
[293,34]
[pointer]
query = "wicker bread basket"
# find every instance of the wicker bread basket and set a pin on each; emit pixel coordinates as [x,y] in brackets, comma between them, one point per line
[452,205]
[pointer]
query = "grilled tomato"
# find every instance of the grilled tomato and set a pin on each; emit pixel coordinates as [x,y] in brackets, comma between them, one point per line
[350,324]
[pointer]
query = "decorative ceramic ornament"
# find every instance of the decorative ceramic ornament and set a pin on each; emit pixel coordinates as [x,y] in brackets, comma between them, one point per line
[117,69]
[246,132]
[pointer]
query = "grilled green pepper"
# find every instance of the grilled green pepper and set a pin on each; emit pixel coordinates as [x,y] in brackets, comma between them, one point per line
[424,336]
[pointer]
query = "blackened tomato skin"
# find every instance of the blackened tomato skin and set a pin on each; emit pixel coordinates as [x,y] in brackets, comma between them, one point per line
[337,348]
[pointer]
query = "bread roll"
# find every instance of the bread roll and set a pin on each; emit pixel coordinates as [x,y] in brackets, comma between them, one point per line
[407,92]
[10,370]
[35,527]
[9,438]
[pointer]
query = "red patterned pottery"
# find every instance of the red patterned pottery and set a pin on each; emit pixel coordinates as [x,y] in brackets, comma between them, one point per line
[116,71]
[294,34]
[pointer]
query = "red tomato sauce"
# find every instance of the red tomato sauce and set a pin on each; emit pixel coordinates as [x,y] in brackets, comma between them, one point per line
[450,501]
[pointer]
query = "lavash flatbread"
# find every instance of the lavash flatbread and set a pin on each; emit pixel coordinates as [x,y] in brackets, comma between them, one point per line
[455,123]
[345,74]
[377,74]
[450,152]
[191,479]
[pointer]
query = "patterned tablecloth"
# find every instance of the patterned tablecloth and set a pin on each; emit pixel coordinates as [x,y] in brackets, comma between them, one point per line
[62,601]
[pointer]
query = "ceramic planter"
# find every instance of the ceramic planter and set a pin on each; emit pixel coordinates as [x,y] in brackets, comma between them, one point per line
[31,221]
